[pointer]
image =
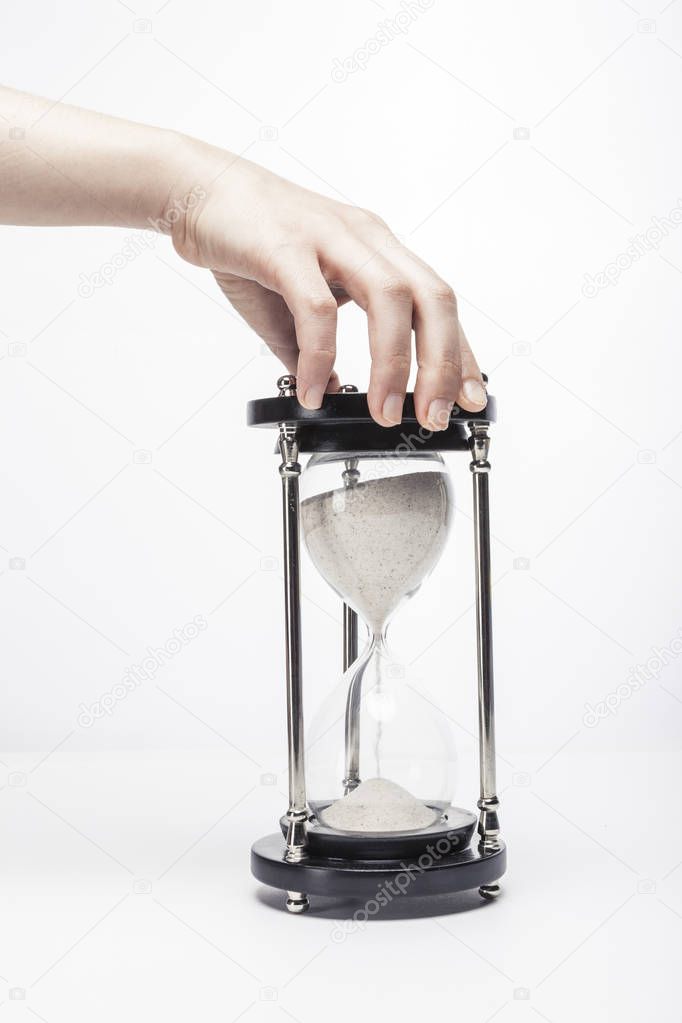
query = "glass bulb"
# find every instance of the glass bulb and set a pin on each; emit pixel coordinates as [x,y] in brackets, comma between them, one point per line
[399,737]
[379,757]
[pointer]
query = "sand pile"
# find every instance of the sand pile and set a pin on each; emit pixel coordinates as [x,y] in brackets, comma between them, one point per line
[378,805]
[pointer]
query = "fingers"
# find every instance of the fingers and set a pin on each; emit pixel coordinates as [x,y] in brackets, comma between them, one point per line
[399,293]
[448,372]
[266,312]
[389,318]
[438,355]
[472,395]
[298,278]
[386,296]
[334,384]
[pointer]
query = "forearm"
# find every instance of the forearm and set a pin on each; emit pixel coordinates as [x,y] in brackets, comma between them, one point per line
[64,166]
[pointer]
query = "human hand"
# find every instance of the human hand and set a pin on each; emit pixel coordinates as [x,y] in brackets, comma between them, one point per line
[287,258]
[284,256]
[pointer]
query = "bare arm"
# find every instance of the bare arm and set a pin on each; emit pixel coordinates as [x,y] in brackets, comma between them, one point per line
[285,257]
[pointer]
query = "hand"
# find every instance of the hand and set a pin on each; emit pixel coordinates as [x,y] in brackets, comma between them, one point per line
[287,258]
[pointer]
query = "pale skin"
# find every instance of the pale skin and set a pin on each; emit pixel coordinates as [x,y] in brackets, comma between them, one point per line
[285,257]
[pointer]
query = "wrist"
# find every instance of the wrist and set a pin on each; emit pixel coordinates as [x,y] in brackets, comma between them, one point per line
[162,171]
[193,168]
[187,169]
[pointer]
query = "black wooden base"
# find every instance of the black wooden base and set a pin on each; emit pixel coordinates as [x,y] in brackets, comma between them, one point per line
[428,874]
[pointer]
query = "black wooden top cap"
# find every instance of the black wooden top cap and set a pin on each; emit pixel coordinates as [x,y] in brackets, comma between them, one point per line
[344,423]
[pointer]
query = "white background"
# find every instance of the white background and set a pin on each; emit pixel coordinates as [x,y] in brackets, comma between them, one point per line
[518,148]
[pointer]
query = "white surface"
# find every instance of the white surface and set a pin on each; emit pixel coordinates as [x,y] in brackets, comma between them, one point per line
[126,892]
[121,549]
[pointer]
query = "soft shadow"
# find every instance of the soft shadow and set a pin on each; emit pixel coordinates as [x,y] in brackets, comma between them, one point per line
[401,908]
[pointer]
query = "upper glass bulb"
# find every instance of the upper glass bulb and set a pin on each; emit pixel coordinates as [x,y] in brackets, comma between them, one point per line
[375,525]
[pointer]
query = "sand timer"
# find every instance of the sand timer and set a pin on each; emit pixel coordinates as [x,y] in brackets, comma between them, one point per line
[371,785]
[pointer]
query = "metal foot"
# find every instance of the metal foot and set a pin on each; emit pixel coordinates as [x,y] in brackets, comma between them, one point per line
[297,902]
[489,891]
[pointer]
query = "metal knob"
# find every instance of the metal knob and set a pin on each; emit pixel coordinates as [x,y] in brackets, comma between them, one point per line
[287,386]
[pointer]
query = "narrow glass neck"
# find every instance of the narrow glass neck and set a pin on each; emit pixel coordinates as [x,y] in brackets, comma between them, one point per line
[378,643]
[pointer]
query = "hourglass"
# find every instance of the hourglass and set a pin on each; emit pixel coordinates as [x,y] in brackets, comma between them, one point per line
[370,792]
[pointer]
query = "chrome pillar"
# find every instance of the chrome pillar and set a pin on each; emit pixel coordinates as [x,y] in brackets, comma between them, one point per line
[488,824]
[290,470]
[350,637]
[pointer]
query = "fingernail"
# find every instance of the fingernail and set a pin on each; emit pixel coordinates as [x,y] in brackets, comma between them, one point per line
[312,398]
[474,392]
[392,410]
[439,413]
